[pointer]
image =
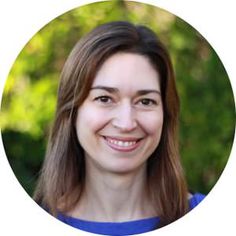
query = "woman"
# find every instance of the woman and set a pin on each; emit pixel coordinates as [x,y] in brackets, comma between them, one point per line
[112,164]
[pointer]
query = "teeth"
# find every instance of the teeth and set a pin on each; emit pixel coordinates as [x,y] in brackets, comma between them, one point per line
[121,143]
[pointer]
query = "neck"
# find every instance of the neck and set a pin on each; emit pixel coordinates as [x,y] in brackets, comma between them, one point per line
[115,197]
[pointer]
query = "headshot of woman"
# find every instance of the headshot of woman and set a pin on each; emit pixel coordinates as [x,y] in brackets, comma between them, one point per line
[112,164]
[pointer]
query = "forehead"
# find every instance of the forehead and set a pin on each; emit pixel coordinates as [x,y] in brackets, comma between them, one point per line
[127,70]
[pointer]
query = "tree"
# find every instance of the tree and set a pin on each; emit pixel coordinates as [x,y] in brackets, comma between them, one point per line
[207,118]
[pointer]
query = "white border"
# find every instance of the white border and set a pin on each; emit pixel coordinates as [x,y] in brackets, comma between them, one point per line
[20,20]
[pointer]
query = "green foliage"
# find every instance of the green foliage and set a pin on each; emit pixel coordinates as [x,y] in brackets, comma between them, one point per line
[207,107]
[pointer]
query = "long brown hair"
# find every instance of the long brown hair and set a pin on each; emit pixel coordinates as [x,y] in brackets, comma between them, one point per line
[63,173]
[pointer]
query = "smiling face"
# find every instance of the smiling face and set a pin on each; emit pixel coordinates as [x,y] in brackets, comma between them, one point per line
[120,122]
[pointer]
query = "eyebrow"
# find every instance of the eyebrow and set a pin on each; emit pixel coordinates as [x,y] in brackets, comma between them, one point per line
[116,90]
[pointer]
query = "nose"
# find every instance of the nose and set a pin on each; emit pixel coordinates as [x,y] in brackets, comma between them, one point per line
[125,118]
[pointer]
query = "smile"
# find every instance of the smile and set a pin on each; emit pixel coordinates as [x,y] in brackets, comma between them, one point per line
[125,144]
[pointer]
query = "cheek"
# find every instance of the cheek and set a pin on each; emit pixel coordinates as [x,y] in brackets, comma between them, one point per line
[153,123]
[90,118]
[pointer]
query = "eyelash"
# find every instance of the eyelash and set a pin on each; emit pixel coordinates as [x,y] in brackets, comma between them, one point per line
[153,102]
[101,99]
[107,100]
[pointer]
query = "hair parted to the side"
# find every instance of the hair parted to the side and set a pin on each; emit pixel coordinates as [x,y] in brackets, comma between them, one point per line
[63,173]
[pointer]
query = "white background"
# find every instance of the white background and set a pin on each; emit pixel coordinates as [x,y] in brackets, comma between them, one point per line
[20,20]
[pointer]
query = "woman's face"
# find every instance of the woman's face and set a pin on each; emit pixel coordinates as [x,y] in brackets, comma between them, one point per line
[120,122]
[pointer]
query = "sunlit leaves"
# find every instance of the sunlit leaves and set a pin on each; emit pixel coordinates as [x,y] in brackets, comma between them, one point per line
[207,118]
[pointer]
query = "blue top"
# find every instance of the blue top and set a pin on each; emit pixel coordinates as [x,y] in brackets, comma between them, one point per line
[122,228]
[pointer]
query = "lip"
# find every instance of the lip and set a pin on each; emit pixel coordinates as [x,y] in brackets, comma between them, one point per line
[122,144]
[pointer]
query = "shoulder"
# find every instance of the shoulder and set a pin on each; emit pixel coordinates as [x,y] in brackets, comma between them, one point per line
[195,199]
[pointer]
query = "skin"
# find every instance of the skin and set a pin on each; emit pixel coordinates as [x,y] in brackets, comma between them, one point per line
[119,126]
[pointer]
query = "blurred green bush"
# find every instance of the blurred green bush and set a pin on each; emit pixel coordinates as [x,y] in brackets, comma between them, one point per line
[207,121]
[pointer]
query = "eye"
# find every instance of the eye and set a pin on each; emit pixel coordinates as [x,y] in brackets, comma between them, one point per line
[147,102]
[104,99]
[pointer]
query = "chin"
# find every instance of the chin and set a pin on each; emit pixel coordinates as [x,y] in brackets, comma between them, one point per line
[124,168]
